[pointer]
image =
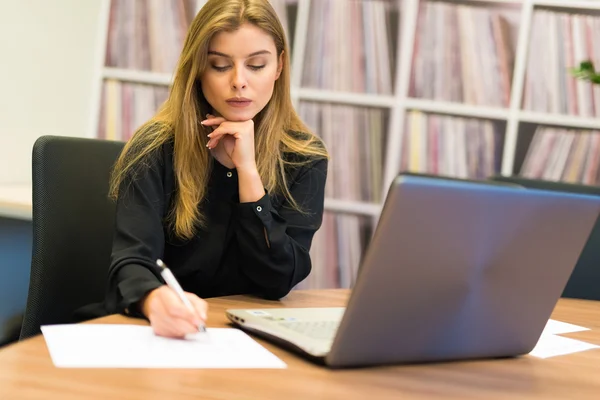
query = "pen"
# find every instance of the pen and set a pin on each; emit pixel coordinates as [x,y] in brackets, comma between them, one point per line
[173,284]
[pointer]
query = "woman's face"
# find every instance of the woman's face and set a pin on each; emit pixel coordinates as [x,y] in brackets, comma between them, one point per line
[242,69]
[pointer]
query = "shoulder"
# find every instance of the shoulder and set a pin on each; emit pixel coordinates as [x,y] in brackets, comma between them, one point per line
[306,155]
[149,153]
[305,138]
[304,148]
[151,145]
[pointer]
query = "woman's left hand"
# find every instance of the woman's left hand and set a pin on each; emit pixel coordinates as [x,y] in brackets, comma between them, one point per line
[237,140]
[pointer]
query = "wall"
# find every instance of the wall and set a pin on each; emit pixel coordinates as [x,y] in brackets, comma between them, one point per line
[48,64]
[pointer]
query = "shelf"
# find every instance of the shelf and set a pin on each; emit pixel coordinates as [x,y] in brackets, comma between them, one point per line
[147,77]
[352,207]
[357,99]
[568,5]
[568,121]
[464,110]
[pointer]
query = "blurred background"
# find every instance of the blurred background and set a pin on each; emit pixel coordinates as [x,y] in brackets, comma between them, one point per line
[459,88]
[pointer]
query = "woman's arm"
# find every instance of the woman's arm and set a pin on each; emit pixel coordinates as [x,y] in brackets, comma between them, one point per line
[275,242]
[138,236]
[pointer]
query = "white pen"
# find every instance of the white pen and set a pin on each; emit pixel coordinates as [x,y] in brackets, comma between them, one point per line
[173,284]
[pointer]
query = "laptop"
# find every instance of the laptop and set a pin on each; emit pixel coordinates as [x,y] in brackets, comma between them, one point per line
[584,282]
[455,270]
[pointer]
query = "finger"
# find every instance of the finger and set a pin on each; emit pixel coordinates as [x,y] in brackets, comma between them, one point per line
[164,324]
[212,143]
[162,329]
[160,324]
[216,135]
[223,129]
[175,308]
[159,321]
[169,328]
[200,306]
[212,120]
[182,327]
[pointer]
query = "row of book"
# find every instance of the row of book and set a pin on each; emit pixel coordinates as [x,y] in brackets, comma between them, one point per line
[559,42]
[451,146]
[355,138]
[337,250]
[147,34]
[126,106]
[350,46]
[567,155]
[463,54]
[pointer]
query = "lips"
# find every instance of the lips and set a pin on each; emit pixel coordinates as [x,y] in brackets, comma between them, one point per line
[238,101]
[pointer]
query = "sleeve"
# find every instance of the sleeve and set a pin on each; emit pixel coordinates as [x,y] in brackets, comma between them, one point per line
[138,237]
[275,243]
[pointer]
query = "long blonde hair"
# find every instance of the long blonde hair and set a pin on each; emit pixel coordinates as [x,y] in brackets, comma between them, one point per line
[278,129]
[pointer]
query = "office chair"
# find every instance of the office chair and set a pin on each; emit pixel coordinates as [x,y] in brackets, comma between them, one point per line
[584,282]
[72,228]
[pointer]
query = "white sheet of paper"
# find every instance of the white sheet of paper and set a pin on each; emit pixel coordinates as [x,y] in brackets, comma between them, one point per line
[554,327]
[134,346]
[552,345]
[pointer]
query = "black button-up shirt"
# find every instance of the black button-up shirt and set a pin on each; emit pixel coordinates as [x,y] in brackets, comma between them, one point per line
[259,248]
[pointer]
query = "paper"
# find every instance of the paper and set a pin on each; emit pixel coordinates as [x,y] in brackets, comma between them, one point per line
[552,345]
[554,327]
[134,346]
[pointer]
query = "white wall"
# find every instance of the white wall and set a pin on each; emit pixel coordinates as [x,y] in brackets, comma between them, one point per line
[49,60]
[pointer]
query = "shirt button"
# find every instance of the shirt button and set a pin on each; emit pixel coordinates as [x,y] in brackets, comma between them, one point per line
[229,174]
[259,208]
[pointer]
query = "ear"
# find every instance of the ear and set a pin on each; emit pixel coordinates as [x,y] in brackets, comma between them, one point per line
[279,65]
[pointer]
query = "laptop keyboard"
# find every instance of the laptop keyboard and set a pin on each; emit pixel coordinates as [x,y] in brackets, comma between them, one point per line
[314,329]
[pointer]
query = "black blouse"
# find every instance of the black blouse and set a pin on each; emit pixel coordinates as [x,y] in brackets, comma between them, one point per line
[259,248]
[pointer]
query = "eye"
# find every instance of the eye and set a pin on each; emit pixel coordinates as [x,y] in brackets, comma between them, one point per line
[256,67]
[220,68]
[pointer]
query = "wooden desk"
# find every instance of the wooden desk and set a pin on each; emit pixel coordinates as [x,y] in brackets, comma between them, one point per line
[15,201]
[27,372]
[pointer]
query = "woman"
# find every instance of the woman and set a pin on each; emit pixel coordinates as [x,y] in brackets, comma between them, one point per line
[225,183]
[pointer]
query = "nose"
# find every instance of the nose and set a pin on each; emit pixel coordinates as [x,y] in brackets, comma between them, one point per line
[239,79]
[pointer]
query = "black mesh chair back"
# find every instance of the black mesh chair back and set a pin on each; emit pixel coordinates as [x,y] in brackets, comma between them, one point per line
[73,219]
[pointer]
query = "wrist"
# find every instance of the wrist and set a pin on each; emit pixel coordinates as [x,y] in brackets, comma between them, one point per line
[250,171]
[144,303]
[250,185]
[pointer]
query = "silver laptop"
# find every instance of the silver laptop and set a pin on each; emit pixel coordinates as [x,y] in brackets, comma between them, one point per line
[455,270]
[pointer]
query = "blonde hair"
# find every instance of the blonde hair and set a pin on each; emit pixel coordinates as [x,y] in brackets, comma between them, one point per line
[278,128]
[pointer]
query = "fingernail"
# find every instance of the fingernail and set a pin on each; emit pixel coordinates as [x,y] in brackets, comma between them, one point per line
[203,315]
[202,122]
[209,135]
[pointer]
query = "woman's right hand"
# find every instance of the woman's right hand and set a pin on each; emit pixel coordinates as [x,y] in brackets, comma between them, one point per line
[169,317]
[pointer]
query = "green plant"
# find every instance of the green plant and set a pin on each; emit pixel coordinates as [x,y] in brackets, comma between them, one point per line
[586,72]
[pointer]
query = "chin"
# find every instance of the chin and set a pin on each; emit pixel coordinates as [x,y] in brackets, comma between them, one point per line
[239,116]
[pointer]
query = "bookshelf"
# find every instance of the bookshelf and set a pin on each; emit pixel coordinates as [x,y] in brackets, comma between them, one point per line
[393,80]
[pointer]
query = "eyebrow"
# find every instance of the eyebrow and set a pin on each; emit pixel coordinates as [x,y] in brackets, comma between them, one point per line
[256,53]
